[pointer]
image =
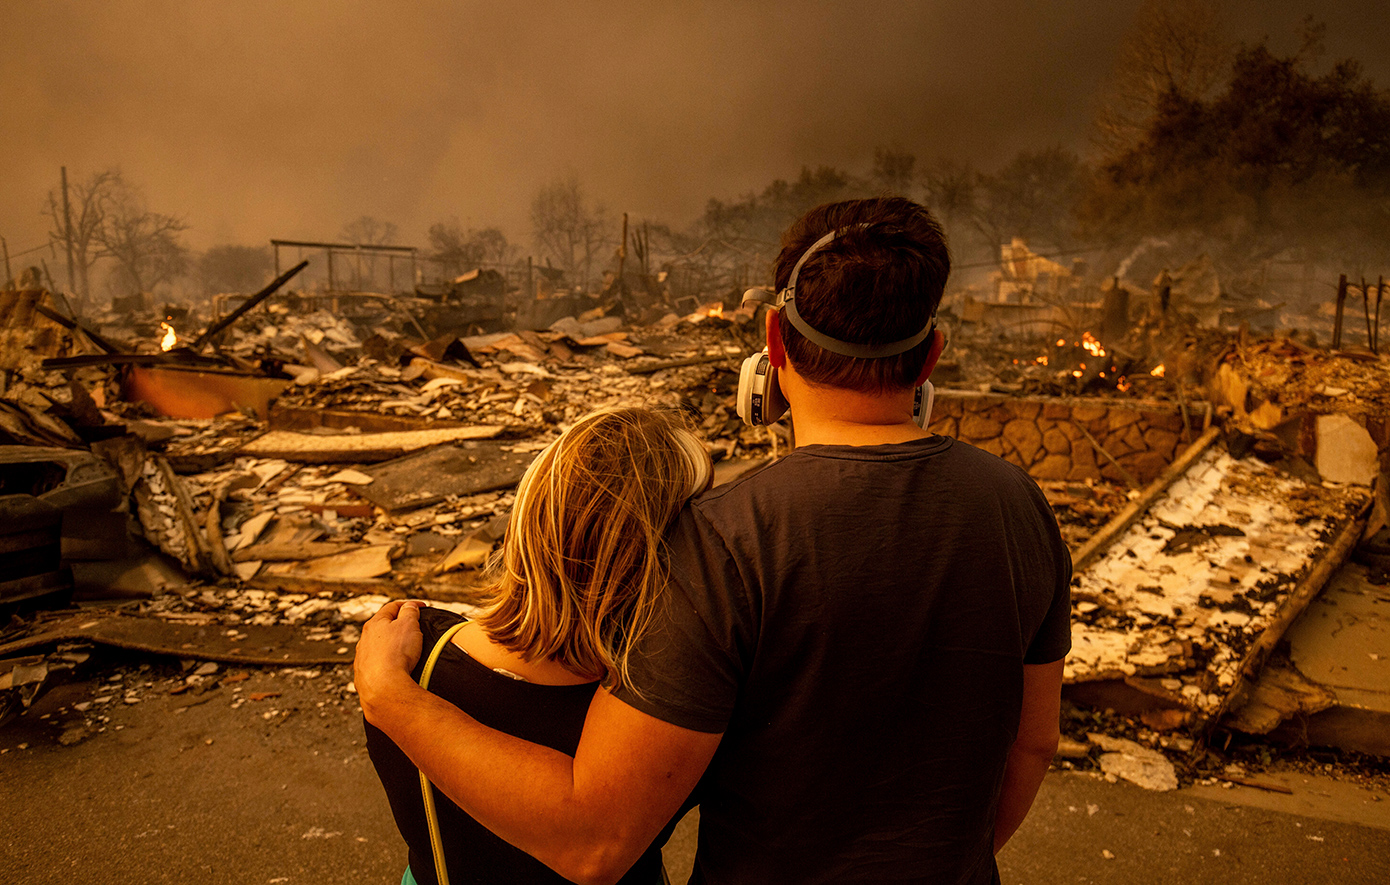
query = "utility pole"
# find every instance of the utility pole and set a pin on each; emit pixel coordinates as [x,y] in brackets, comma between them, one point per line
[67,231]
[9,277]
[622,259]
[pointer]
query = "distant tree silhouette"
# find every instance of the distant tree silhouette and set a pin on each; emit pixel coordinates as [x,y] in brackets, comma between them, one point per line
[567,229]
[894,172]
[145,245]
[234,269]
[1279,160]
[1175,46]
[1034,196]
[366,230]
[459,250]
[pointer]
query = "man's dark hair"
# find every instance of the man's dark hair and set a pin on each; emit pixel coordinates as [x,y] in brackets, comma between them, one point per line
[880,280]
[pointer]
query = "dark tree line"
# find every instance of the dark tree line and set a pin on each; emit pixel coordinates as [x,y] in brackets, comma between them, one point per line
[1280,161]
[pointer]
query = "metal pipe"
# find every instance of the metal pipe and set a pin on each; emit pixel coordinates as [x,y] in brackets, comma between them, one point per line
[307,244]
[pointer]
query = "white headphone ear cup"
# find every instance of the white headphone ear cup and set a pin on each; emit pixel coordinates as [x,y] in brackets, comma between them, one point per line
[922,402]
[746,382]
[760,401]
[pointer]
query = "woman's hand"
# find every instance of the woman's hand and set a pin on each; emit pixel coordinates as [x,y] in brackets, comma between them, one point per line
[386,654]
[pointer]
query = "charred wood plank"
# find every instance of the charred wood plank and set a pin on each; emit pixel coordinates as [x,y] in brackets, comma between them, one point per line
[74,326]
[1308,588]
[649,368]
[1126,517]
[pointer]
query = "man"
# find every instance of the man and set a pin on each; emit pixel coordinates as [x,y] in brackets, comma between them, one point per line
[862,643]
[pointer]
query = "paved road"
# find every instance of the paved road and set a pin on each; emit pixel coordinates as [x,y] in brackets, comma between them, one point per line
[266,781]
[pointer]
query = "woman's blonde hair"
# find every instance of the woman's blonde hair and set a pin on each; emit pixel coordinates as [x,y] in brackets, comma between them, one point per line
[582,560]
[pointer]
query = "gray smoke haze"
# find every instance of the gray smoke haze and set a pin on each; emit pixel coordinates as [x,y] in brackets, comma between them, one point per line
[261,119]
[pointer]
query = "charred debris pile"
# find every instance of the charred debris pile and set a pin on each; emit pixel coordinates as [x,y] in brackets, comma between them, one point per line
[247,487]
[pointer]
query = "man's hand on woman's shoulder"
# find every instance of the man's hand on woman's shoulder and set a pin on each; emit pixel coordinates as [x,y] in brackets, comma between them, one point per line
[387,653]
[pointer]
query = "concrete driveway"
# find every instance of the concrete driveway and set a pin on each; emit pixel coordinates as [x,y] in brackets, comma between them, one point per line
[264,779]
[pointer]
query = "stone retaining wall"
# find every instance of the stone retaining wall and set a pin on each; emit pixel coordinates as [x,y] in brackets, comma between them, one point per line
[1048,437]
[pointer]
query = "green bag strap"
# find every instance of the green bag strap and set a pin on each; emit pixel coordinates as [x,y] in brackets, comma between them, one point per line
[436,842]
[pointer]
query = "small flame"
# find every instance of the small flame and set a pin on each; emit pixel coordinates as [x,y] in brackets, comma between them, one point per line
[1092,345]
[1042,360]
[1061,342]
[716,311]
[1157,371]
[1077,373]
[170,338]
[1122,384]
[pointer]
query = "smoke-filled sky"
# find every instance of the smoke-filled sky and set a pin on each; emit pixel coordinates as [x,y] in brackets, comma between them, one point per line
[254,119]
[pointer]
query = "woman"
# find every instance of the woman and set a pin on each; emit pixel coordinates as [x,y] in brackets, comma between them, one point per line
[573,590]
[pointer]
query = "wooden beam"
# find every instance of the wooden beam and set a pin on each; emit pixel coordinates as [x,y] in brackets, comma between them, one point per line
[1307,590]
[1136,508]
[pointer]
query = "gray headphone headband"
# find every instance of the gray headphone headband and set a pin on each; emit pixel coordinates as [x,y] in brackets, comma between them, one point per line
[786,301]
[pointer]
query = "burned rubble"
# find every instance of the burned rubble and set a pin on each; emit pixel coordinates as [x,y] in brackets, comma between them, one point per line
[251,506]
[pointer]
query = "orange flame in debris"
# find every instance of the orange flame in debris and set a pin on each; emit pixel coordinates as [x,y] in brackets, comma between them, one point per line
[1092,345]
[1157,371]
[716,311]
[170,339]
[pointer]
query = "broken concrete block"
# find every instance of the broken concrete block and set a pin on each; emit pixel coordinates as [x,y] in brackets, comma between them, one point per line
[360,608]
[1346,452]
[1281,692]
[1135,763]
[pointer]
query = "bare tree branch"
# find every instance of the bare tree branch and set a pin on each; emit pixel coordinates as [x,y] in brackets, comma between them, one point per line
[567,229]
[145,245]
[1175,46]
[89,202]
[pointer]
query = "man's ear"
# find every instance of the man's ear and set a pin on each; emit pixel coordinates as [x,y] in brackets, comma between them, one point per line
[776,353]
[938,344]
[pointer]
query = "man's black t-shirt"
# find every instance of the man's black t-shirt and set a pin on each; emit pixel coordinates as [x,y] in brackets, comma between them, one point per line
[855,621]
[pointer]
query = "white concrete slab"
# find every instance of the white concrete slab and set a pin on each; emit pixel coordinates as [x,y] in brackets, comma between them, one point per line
[1342,640]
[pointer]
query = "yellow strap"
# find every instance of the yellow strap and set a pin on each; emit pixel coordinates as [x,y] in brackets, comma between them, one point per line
[436,842]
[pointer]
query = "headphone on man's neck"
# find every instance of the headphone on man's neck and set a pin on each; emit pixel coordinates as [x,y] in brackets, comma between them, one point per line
[760,399]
